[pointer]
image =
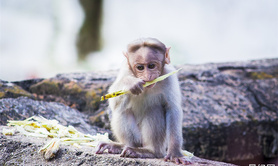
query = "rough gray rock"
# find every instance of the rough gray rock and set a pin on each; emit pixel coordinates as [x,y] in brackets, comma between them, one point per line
[230,109]
[22,150]
[23,107]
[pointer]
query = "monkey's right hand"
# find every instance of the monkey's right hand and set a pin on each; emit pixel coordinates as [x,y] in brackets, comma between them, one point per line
[137,88]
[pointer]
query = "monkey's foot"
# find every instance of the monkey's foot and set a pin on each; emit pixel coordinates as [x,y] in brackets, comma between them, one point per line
[137,153]
[178,160]
[113,148]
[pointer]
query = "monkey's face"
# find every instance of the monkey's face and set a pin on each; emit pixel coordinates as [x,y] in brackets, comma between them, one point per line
[146,63]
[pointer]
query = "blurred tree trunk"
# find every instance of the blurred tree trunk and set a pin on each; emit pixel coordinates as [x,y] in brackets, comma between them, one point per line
[89,39]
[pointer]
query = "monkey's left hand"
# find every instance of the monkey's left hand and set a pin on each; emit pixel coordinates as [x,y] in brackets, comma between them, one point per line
[137,88]
[178,160]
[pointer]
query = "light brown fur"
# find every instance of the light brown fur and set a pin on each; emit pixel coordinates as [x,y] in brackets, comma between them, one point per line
[148,122]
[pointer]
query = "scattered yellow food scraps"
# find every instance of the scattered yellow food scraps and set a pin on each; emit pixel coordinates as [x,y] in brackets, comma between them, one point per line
[8,131]
[50,149]
[38,126]
[122,92]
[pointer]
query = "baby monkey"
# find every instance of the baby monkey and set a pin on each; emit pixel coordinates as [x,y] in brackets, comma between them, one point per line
[147,122]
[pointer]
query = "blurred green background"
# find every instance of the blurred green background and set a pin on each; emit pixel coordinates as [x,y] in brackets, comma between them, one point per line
[40,38]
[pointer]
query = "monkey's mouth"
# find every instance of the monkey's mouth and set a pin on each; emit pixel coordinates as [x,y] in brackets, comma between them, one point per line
[151,86]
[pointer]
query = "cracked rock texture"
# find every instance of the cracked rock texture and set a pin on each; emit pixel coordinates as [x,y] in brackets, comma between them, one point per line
[230,109]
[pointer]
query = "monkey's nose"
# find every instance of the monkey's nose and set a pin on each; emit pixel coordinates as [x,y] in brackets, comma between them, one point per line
[148,79]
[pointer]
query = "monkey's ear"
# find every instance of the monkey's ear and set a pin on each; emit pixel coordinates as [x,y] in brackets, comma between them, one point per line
[167,56]
[125,54]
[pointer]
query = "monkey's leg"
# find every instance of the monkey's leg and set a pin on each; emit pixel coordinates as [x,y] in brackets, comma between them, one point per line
[153,136]
[125,128]
[112,147]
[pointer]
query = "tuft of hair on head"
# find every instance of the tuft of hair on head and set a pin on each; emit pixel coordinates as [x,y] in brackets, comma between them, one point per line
[146,42]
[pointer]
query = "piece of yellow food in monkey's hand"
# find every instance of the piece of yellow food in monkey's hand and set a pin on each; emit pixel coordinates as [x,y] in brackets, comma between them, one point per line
[122,92]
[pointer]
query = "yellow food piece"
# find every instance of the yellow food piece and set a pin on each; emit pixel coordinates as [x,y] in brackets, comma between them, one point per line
[8,131]
[42,127]
[121,92]
[38,126]
[186,153]
[50,149]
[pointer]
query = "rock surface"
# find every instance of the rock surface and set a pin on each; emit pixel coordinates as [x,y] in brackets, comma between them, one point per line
[22,107]
[230,109]
[22,150]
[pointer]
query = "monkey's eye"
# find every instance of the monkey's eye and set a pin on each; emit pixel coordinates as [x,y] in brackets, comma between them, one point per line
[151,66]
[140,67]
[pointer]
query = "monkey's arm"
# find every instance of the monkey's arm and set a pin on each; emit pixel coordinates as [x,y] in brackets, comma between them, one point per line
[174,132]
[174,127]
[174,118]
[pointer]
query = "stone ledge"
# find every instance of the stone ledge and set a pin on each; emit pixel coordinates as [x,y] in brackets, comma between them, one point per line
[22,150]
[229,109]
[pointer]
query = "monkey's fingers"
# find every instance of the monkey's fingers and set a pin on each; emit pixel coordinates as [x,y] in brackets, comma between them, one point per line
[167,158]
[137,88]
[178,160]
[101,148]
[123,154]
[183,160]
[130,152]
